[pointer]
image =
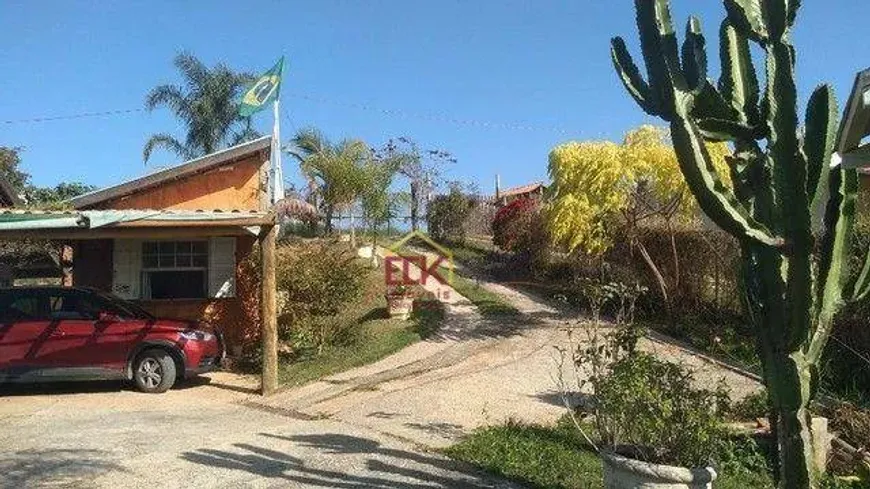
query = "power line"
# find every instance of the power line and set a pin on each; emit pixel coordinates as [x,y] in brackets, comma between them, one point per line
[73,116]
[431,117]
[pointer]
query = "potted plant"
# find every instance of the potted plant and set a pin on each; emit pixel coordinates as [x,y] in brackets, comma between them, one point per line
[652,427]
[400,301]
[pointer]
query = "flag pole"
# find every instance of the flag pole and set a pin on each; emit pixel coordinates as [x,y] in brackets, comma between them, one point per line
[277,171]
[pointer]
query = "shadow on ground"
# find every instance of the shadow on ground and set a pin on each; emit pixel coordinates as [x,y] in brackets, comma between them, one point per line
[38,468]
[384,467]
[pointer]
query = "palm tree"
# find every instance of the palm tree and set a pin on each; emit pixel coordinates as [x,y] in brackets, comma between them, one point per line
[335,169]
[207,104]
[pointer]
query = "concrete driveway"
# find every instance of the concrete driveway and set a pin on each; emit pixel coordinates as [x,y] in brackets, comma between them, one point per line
[204,434]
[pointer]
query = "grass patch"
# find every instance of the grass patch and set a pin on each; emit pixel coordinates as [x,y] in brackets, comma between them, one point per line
[374,335]
[557,458]
[490,304]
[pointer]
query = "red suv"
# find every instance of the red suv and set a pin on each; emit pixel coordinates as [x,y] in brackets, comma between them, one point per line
[62,333]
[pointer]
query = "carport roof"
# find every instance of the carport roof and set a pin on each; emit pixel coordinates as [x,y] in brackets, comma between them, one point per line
[88,224]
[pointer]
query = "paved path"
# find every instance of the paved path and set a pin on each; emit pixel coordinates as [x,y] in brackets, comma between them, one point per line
[475,372]
[203,435]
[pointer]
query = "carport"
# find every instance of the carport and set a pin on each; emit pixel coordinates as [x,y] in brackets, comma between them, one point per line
[119,268]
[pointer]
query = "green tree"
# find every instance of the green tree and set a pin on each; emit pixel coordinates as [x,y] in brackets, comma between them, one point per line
[376,200]
[420,167]
[10,160]
[206,104]
[49,196]
[335,170]
[447,214]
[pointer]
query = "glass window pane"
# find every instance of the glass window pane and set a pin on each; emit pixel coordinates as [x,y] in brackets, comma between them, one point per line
[167,261]
[183,247]
[183,261]
[167,247]
[149,247]
[200,247]
[200,261]
[149,261]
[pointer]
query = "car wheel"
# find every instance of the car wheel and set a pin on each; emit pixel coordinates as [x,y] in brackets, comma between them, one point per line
[154,371]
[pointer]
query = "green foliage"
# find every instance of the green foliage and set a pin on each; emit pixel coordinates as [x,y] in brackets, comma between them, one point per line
[652,407]
[376,201]
[557,457]
[538,456]
[795,277]
[315,281]
[10,162]
[335,170]
[447,213]
[422,169]
[207,105]
[752,407]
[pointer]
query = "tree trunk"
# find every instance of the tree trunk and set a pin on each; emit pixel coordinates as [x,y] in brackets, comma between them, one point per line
[327,226]
[352,229]
[657,274]
[268,311]
[415,209]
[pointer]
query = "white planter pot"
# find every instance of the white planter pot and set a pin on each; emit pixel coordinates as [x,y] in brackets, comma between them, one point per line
[400,306]
[626,473]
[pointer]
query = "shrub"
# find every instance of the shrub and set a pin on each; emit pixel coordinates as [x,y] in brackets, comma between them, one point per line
[518,227]
[315,280]
[447,214]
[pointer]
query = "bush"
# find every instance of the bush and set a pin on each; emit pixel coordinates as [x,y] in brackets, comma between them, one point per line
[447,214]
[519,228]
[315,280]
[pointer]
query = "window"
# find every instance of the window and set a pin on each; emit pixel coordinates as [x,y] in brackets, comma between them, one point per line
[174,269]
[23,306]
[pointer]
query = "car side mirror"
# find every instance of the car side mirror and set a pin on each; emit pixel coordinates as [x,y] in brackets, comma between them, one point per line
[108,317]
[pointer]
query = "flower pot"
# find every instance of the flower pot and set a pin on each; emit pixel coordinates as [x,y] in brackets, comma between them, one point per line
[627,473]
[400,306]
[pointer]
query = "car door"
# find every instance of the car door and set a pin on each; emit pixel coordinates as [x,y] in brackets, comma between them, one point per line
[25,326]
[83,346]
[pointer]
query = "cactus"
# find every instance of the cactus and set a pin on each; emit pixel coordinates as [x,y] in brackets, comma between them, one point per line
[795,258]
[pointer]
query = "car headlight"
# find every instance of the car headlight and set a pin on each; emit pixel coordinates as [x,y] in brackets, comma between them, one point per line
[197,335]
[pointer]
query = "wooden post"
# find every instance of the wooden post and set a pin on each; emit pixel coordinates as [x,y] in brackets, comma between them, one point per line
[66,265]
[268,310]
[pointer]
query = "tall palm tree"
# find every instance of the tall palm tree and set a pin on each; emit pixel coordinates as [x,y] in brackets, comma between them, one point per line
[335,169]
[207,104]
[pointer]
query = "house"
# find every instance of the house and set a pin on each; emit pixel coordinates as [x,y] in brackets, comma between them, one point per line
[177,241]
[533,191]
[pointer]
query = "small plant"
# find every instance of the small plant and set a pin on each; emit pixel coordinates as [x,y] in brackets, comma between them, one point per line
[399,291]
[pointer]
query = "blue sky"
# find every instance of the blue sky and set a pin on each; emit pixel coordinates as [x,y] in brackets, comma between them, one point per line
[527,74]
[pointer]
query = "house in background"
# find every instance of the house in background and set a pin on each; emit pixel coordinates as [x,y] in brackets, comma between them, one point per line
[176,241]
[531,191]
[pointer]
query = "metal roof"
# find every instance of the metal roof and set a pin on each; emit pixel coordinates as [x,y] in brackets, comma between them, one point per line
[31,220]
[188,168]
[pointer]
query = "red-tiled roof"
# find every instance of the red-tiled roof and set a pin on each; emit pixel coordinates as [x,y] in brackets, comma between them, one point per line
[522,189]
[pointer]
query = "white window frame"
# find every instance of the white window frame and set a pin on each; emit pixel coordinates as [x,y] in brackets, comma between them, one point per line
[146,270]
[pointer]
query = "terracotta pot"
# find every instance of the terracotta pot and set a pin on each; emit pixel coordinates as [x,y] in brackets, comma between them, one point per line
[400,305]
[627,473]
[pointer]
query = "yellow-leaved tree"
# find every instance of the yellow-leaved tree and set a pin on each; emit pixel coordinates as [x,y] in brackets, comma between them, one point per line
[600,187]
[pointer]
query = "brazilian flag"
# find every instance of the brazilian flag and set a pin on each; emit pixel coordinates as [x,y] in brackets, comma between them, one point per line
[264,90]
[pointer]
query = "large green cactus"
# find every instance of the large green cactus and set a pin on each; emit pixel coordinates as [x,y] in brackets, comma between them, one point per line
[795,261]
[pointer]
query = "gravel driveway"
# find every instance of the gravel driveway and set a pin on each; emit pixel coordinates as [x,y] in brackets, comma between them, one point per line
[201,435]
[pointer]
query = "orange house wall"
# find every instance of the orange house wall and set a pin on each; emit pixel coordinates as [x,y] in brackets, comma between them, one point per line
[237,186]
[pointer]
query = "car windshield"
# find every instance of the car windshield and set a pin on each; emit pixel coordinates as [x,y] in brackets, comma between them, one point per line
[129,308]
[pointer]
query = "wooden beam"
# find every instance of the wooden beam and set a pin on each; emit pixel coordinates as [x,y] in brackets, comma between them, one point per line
[122,233]
[268,310]
[66,264]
